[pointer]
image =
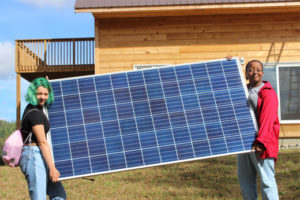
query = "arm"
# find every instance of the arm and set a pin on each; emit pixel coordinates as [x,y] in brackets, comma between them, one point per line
[267,117]
[39,132]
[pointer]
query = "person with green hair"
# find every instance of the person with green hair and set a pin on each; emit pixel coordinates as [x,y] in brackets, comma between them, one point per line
[36,161]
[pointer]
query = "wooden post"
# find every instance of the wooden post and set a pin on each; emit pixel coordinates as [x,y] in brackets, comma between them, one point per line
[18,83]
[45,56]
[73,52]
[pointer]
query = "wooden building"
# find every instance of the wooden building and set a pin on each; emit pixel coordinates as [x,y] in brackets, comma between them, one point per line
[132,34]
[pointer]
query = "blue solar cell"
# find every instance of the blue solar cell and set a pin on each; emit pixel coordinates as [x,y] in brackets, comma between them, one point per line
[199,71]
[61,152]
[71,102]
[116,161]
[113,144]
[76,133]
[174,104]
[99,164]
[152,76]
[198,133]
[177,119]
[138,93]
[141,108]
[122,95]
[127,120]
[202,148]
[91,115]
[108,113]
[81,166]
[171,89]
[186,87]
[135,79]
[86,85]
[128,126]
[167,75]
[148,139]
[158,106]
[88,100]
[111,128]
[185,151]
[190,102]
[56,89]
[165,137]
[125,110]
[69,87]
[151,156]
[103,82]
[74,117]
[105,97]
[93,131]
[58,106]
[155,91]
[119,80]
[96,147]
[131,142]
[59,135]
[168,153]
[161,121]
[183,72]
[134,158]
[79,149]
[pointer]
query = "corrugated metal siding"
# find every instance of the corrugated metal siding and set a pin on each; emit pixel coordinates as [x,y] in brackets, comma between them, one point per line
[139,3]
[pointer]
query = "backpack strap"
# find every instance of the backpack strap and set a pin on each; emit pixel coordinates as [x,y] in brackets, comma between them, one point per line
[30,133]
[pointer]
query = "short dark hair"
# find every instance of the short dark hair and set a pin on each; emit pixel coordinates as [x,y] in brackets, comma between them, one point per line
[252,61]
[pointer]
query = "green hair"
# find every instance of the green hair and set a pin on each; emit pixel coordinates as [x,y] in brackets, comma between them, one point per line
[31,91]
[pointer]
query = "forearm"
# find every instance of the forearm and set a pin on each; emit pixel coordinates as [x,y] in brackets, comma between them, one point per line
[45,149]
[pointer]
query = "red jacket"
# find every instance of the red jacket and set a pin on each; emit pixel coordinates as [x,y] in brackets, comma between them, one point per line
[268,123]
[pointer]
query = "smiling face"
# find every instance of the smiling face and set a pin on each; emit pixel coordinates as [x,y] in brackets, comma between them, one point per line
[42,95]
[255,73]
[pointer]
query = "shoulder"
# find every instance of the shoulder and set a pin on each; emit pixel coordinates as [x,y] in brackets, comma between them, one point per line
[32,112]
[267,91]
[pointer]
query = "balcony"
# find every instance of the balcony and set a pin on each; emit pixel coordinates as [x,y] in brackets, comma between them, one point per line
[56,58]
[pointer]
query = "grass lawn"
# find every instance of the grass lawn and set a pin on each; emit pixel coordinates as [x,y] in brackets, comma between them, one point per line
[207,179]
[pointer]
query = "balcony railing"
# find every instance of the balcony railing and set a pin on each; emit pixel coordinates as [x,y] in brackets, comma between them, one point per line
[44,54]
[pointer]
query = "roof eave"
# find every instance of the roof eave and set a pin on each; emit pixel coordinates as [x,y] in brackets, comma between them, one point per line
[192,9]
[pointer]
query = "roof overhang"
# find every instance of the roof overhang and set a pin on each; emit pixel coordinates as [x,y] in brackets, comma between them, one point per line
[215,9]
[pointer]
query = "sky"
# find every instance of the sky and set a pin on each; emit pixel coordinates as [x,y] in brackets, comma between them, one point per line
[33,19]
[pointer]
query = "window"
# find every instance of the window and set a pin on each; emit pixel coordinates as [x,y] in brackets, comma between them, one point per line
[285,79]
[140,67]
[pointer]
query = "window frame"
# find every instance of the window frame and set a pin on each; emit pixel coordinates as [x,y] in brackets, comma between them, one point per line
[281,65]
[148,66]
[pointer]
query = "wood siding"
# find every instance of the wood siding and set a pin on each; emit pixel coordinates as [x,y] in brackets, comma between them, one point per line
[271,37]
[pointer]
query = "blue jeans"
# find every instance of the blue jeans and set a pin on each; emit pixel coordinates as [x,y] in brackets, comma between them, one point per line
[34,168]
[249,165]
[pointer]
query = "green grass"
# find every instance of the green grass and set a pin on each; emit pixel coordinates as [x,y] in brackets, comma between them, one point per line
[205,179]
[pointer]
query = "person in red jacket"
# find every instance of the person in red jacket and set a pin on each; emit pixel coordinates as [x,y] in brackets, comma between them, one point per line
[264,102]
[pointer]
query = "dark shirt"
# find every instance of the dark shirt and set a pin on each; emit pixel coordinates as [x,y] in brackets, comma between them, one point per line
[35,117]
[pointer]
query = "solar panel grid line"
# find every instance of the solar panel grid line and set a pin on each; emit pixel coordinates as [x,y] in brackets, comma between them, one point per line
[88,152]
[231,101]
[206,134]
[149,118]
[148,100]
[135,122]
[215,103]
[164,95]
[68,135]
[98,105]
[184,112]
[118,126]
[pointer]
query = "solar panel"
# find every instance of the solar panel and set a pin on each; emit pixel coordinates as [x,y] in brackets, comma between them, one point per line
[128,120]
